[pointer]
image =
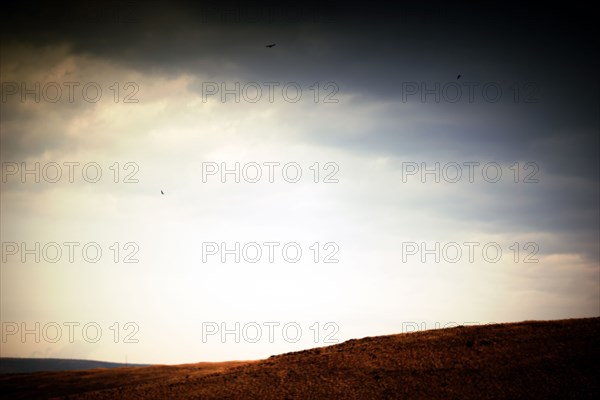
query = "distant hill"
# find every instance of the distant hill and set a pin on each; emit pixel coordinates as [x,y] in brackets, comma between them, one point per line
[527,360]
[23,365]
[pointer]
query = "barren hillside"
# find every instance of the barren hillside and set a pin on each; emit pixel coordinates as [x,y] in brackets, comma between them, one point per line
[535,360]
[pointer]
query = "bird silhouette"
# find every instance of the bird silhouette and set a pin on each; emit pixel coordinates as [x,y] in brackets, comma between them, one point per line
[161,192]
[458,77]
[270,45]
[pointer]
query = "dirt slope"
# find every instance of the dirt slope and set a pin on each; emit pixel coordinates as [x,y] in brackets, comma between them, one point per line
[528,360]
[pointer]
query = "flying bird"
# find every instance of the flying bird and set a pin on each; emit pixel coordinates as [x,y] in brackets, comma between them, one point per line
[161,192]
[270,45]
[458,77]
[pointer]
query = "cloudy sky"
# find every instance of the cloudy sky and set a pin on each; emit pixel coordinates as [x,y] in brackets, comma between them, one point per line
[378,170]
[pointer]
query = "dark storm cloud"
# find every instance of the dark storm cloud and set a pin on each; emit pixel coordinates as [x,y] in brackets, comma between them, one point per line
[368,42]
[374,51]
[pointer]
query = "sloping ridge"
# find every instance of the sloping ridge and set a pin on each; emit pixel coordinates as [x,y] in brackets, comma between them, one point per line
[9,365]
[527,360]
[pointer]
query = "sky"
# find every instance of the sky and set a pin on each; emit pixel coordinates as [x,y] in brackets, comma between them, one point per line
[175,191]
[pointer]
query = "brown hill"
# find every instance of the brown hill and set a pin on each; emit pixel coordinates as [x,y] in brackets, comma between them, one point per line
[528,360]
